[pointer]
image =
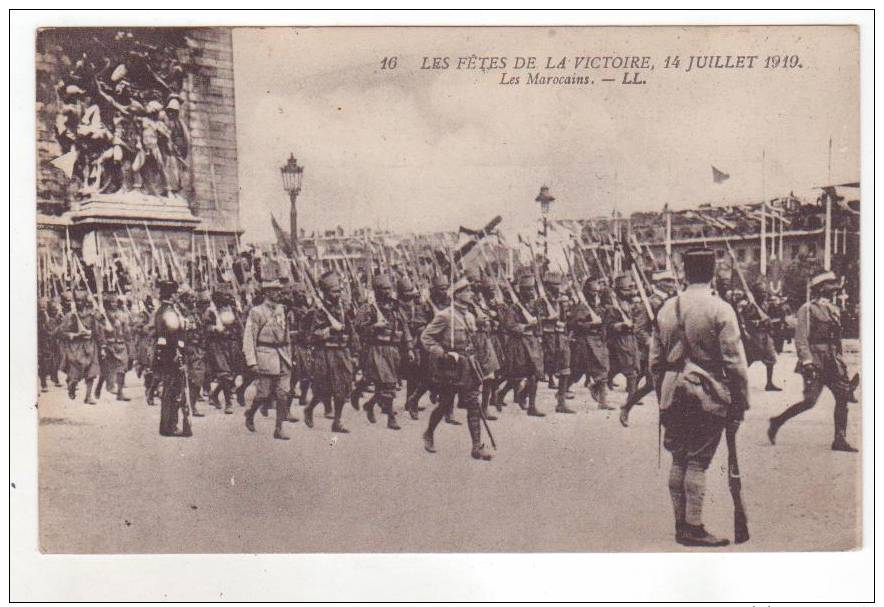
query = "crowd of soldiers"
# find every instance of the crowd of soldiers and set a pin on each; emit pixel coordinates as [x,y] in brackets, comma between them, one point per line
[471,338]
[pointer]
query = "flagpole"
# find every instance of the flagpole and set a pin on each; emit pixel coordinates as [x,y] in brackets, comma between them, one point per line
[763,219]
[827,255]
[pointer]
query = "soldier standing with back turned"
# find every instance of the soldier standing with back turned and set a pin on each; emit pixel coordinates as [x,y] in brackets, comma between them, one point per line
[699,369]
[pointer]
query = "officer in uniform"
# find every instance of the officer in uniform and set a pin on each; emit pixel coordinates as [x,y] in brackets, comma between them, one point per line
[820,360]
[383,329]
[487,339]
[699,370]
[218,320]
[267,352]
[449,338]
[168,368]
[299,332]
[333,337]
[589,343]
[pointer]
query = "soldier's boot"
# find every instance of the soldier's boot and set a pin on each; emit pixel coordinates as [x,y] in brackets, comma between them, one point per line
[840,443]
[337,426]
[288,411]
[241,395]
[697,536]
[561,396]
[214,394]
[487,393]
[676,492]
[88,398]
[429,447]
[98,386]
[228,401]
[693,532]
[250,415]
[55,379]
[304,388]
[602,396]
[851,393]
[121,380]
[354,398]
[368,407]
[43,386]
[775,423]
[531,389]
[770,387]
[520,395]
[194,390]
[265,407]
[281,414]
[308,411]
[500,394]
[327,410]
[411,406]
[387,407]
[72,390]
[448,401]
[551,382]
[473,423]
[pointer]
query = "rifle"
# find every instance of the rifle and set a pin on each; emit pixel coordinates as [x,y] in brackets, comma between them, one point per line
[335,323]
[741,528]
[538,282]
[749,294]
[593,316]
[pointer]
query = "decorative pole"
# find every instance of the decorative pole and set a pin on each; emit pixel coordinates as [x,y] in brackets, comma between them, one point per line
[292,174]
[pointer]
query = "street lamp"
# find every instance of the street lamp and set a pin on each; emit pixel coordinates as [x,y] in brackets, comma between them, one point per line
[292,174]
[545,199]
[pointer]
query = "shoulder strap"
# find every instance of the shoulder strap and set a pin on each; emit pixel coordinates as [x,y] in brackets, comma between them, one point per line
[684,336]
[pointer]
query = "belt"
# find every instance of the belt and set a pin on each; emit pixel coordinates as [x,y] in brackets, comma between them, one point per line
[328,346]
[271,344]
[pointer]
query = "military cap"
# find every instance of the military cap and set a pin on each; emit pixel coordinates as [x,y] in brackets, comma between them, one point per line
[382,281]
[553,278]
[167,288]
[330,280]
[460,284]
[699,264]
[526,281]
[440,282]
[623,281]
[822,278]
[154,106]
[662,275]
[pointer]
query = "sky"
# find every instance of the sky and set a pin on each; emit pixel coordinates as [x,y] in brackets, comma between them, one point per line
[429,150]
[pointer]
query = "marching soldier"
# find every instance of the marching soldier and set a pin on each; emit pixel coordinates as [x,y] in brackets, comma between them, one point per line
[427,376]
[556,344]
[299,332]
[449,338]
[81,355]
[333,366]
[524,347]
[590,348]
[820,360]
[169,366]
[699,369]
[759,333]
[628,334]
[221,348]
[488,345]
[416,320]
[267,352]
[665,287]
[114,347]
[384,330]
[48,323]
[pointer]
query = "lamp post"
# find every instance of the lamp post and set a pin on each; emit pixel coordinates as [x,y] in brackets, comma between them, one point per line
[545,199]
[292,174]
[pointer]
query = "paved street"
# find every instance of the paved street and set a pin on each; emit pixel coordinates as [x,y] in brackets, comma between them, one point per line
[109,483]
